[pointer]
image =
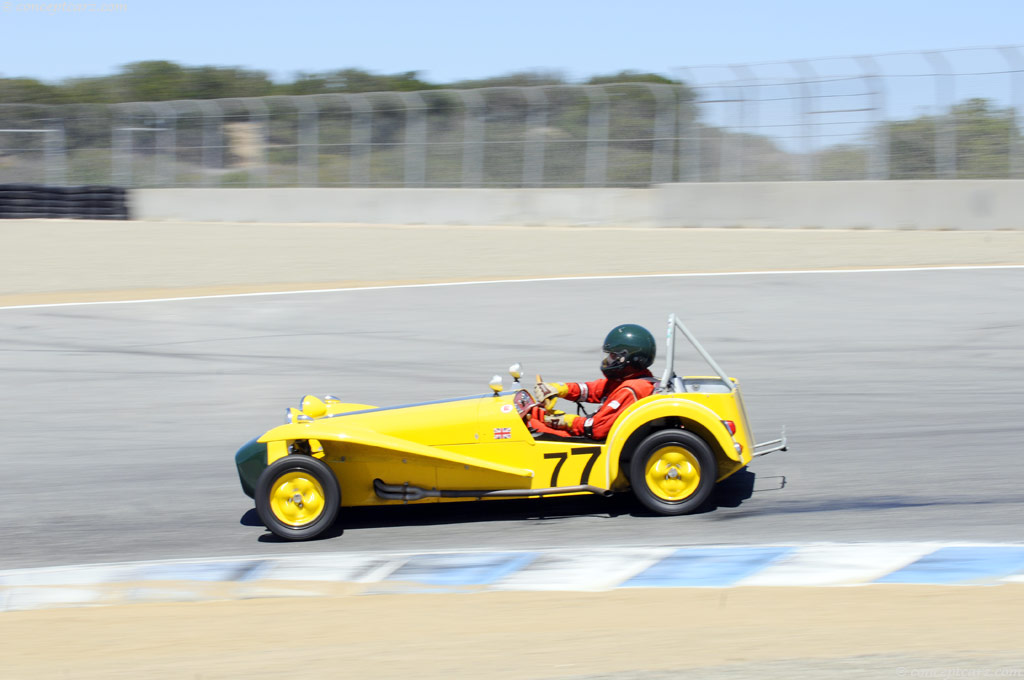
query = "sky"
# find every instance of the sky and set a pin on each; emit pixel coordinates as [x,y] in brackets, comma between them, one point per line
[451,40]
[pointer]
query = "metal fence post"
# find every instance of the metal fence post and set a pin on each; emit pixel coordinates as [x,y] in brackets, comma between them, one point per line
[945,123]
[415,139]
[258,109]
[175,111]
[157,127]
[213,140]
[878,151]
[210,146]
[166,143]
[536,119]
[472,138]
[598,120]
[806,72]
[257,112]
[724,143]
[689,131]
[747,120]
[56,153]
[307,155]
[120,147]
[662,149]
[1016,149]
[361,139]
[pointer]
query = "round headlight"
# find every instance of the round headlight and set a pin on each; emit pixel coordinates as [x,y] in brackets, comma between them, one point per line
[312,406]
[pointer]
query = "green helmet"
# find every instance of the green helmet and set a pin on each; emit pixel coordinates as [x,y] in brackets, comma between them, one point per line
[627,346]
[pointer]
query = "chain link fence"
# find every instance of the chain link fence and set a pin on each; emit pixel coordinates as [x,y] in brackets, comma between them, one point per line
[952,114]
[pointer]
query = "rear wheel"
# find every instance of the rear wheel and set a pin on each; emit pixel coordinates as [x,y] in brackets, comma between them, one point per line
[297,497]
[673,472]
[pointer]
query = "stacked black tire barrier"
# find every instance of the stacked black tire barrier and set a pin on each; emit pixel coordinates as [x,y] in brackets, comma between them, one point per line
[31,201]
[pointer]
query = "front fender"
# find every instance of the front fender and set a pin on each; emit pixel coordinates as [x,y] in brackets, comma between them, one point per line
[668,406]
[250,462]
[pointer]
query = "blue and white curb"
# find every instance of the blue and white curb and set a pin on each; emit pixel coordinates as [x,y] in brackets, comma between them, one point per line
[566,569]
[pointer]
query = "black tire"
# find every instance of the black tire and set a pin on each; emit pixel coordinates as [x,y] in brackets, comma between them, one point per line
[693,461]
[273,504]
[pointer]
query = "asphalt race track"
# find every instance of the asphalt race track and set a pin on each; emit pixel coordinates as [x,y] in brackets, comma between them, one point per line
[901,392]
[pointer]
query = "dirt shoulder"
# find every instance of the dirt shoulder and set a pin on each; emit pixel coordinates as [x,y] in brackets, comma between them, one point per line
[876,631]
[73,261]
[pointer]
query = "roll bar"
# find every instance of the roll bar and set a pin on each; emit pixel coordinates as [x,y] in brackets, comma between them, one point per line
[674,325]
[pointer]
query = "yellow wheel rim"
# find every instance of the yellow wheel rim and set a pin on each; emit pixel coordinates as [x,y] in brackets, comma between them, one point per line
[297,499]
[672,473]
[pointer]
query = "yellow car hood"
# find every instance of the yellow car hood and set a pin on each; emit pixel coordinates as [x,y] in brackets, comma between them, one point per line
[437,423]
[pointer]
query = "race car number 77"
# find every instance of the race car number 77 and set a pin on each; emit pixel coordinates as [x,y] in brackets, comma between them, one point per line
[592,451]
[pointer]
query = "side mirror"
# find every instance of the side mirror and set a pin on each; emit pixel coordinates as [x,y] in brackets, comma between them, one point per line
[516,371]
[496,385]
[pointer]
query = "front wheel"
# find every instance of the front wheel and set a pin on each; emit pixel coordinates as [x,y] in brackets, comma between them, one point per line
[297,497]
[673,472]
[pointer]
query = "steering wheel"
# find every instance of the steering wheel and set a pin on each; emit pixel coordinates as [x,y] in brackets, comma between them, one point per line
[529,407]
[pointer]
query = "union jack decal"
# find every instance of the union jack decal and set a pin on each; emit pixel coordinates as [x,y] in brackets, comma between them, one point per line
[503,433]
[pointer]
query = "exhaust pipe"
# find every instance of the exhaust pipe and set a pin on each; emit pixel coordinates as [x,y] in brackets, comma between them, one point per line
[407,492]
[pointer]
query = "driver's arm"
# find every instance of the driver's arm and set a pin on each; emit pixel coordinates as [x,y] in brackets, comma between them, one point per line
[590,392]
[598,425]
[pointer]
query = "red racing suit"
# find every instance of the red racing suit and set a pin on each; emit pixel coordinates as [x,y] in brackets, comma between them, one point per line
[613,395]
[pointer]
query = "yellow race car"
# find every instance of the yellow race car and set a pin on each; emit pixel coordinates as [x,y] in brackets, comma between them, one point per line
[669,448]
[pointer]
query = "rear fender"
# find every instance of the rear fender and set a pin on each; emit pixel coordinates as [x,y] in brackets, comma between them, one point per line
[659,411]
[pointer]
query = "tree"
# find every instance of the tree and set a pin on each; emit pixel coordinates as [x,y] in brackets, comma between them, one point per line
[28,91]
[355,80]
[984,136]
[100,90]
[517,79]
[151,81]
[631,77]
[216,82]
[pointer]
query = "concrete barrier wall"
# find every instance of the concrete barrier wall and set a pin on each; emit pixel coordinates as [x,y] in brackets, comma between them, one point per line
[917,204]
[631,207]
[935,204]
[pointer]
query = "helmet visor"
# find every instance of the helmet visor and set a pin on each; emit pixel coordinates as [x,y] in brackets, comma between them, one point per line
[613,362]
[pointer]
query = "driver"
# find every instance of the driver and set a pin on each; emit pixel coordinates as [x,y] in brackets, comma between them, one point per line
[629,351]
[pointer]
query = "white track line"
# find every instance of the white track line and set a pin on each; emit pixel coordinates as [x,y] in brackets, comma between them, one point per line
[554,279]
